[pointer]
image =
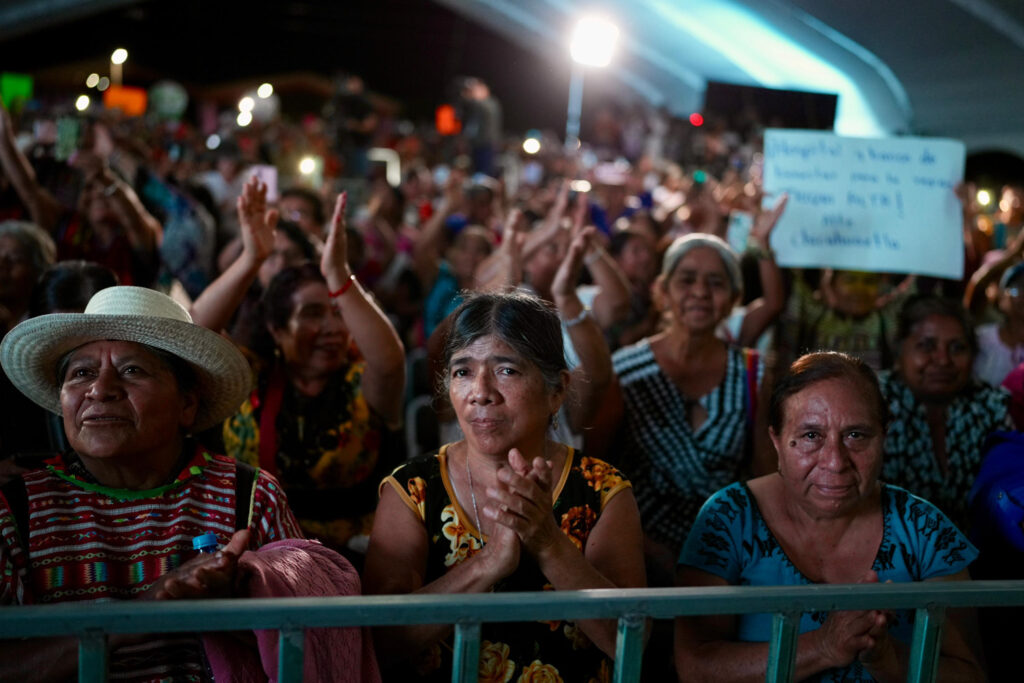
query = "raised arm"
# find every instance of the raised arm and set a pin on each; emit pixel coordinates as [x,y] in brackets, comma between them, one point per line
[384,379]
[219,301]
[611,305]
[504,267]
[552,223]
[762,312]
[142,229]
[594,373]
[428,250]
[41,205]
[974,295]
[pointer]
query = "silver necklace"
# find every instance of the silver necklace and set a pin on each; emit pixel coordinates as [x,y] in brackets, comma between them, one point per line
[472,495]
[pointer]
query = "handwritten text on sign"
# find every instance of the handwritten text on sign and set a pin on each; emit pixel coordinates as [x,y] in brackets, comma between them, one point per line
[883,205]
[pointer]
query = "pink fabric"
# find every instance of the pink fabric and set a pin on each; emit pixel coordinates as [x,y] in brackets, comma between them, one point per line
[296,568]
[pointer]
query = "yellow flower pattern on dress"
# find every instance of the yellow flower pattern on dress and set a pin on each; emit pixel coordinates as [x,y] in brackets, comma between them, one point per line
[329,444]
[601,476]
[538,672]
[495,665]
[541,651]
[462,544]
[417,489]
[241,434]
[577,523]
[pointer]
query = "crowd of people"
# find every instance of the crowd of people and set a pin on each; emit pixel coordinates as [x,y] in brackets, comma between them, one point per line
[502,372]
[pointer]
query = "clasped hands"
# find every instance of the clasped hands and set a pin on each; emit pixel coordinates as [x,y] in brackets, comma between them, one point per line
[858,635]
[521,503]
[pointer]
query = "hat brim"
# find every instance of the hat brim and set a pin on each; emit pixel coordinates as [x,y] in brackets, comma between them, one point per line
[30,352]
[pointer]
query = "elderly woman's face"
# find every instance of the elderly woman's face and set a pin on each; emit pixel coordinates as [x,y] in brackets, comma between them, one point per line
[698,291]
[315,336]
[500,398]
[829,446]
[935,360]
[119,400]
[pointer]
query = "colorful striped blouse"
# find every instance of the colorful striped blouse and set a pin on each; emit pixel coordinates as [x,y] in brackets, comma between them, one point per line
[89,542]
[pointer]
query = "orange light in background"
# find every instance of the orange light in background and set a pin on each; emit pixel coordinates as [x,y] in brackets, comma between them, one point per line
[446,121]
[696,119]
[131,101]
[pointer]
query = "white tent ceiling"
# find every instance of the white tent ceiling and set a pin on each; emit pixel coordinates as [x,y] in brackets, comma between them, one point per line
[928,67]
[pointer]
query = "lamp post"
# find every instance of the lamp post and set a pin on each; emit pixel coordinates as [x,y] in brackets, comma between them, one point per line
[592,44]
[117,59]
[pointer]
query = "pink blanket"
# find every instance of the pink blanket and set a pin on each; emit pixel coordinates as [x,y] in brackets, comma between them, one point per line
[296,568]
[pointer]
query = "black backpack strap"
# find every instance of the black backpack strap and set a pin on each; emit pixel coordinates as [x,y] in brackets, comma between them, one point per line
[245,483]
[17,501]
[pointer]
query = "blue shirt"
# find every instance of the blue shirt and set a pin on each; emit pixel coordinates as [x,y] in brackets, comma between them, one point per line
[731,540]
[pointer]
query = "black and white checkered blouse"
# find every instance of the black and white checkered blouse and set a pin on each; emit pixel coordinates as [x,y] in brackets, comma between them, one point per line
[674,469]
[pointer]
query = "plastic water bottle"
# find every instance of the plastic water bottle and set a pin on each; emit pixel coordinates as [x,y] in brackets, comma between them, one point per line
[205,543]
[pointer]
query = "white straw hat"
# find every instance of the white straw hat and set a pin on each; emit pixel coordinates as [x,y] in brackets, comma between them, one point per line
[30,352]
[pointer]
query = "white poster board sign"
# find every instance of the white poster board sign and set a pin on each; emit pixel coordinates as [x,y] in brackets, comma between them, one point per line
[884,205]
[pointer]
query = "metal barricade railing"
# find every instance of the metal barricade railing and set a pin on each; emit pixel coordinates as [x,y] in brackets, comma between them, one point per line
[91,622]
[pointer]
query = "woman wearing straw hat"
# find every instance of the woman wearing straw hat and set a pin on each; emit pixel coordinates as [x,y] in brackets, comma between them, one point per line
[115,516]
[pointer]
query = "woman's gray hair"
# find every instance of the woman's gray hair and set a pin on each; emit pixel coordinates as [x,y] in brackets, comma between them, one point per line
[520,319]
[34,240]
[683,245]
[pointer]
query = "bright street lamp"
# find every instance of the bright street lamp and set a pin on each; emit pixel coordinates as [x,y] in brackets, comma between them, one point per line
[117,59]
[593,42]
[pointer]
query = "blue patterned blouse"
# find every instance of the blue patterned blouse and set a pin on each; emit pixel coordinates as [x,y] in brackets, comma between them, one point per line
[731,540]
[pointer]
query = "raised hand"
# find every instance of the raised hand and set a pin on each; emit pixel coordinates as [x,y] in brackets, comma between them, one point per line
[204,576]
[564,284]
[453,196]
[334,262]
[256,220]
[765,222]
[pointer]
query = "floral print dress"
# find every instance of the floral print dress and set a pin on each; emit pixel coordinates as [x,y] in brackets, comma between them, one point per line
[328,449]
[548,651]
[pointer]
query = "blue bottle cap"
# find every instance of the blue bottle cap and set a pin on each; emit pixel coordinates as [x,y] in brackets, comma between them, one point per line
[205,543]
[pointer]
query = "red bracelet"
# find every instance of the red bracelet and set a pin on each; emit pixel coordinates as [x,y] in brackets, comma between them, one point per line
[344,287]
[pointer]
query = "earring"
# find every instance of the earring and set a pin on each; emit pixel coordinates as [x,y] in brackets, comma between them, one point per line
[554,421]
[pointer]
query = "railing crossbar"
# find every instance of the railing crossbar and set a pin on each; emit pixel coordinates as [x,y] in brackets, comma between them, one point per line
[92,622]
